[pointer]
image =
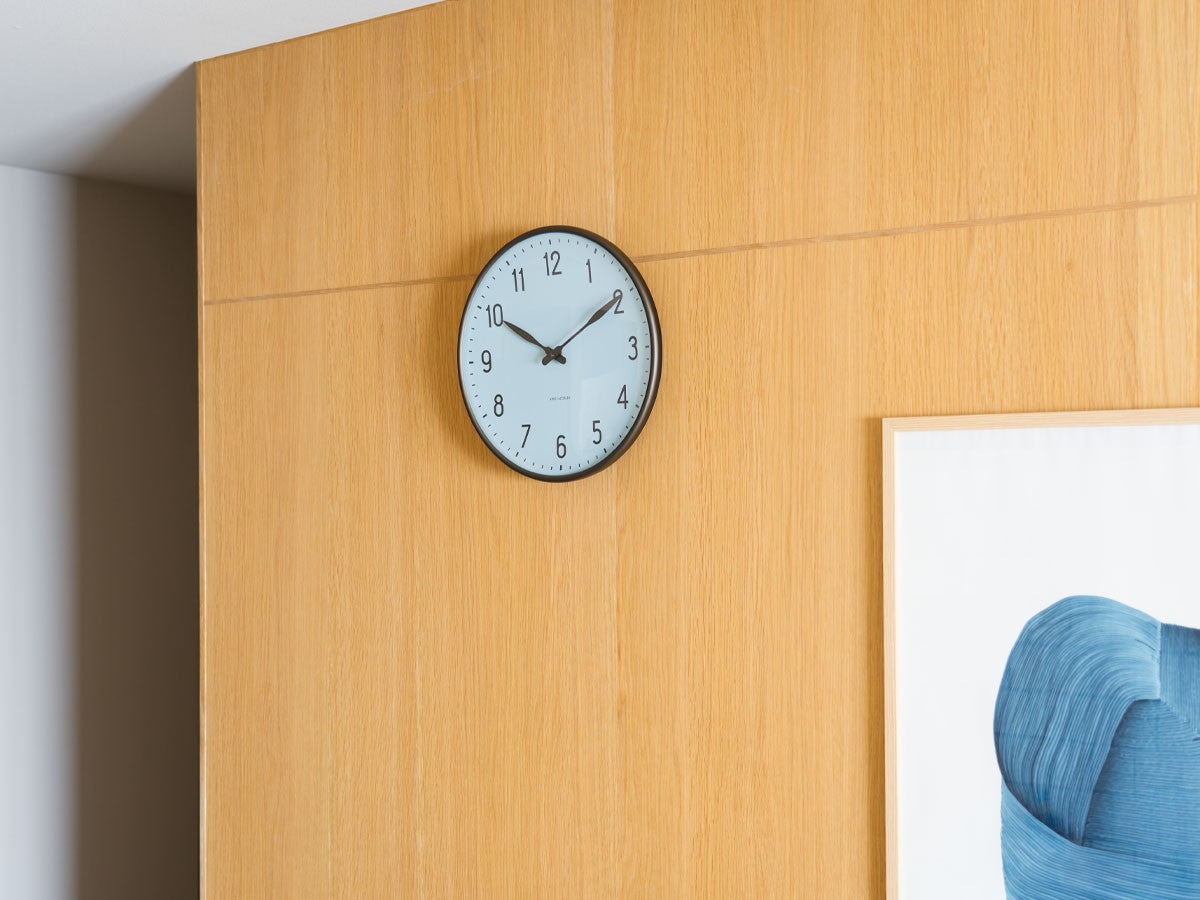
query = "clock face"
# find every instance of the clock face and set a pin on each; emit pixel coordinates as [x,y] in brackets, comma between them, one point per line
[559,353]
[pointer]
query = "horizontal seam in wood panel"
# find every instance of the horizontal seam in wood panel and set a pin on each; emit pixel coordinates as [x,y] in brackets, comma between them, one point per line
[761,245]
[921,229]
[316,292]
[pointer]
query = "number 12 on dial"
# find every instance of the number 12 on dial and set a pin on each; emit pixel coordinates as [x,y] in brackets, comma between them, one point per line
[559,353]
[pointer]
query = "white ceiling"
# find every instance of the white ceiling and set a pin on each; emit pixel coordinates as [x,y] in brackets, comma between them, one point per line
[104,88]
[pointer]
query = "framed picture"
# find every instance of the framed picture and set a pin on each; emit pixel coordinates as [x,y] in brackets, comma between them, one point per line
[1042,595]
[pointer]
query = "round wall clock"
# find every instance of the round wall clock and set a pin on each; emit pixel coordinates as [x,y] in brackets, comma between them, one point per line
[559,353]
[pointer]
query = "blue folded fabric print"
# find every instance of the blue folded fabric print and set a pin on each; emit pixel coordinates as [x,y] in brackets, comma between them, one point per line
[1097,734]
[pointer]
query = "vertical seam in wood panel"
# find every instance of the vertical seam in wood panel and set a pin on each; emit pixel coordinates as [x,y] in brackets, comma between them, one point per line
[610,89]
[419,764]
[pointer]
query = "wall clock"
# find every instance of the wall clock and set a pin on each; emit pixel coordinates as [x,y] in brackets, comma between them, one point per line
[559,353]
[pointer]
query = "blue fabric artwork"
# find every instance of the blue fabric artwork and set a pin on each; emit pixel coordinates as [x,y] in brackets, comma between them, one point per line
[1097,734]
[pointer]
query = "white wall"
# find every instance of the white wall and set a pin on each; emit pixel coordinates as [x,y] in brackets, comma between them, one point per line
[98,574]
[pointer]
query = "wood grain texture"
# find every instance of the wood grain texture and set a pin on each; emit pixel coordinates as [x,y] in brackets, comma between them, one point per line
[428,676]
[822,118]
[679,126]
[407,147]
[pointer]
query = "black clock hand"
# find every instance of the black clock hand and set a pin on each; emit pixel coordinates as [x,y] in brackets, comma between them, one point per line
[556,353]
[525,335]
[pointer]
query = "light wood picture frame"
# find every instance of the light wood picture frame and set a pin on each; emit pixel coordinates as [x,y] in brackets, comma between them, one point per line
[975,456]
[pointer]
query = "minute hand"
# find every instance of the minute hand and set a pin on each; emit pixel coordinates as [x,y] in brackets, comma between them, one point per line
[596,317]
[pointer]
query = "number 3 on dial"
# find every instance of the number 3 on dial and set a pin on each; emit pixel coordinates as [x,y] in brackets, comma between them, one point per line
[559,353]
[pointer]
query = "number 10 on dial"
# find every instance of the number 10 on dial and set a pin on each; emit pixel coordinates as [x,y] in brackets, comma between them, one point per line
[559,353]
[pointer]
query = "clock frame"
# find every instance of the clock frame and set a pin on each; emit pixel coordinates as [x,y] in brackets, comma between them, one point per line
[654,341]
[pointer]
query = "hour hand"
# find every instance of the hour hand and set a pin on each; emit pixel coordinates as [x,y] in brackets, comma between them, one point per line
[526,336]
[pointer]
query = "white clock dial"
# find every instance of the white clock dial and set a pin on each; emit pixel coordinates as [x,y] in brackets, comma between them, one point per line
[559,353]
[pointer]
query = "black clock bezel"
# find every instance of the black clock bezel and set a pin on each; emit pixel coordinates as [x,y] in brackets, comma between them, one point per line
[655,351]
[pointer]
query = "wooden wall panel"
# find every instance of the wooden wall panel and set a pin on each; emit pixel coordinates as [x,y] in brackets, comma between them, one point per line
[831,118]
[410,659]
[428,676]
[405,148]
[679,126]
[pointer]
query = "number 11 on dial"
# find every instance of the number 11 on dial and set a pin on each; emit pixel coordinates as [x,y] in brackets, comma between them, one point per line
[559,353]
